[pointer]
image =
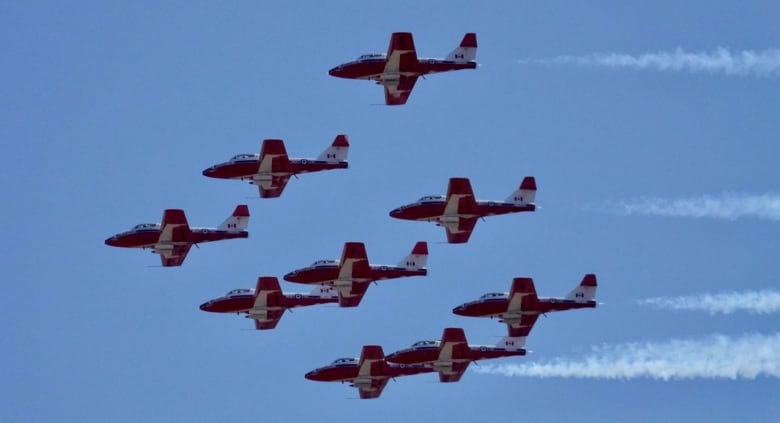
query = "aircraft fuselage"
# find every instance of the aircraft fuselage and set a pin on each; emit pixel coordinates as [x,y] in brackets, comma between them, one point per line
[374,68]
[432,211]
[497,307]
[148,238]
[245,302]
[246,169]
[330,273]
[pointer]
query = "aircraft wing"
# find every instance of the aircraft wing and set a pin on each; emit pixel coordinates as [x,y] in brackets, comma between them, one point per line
[274,162]
[375,390]
[267,319]
[174,256]
[401,54]
[273,186]
[522,326]
[172,245]
[397,94]
[351,295]
[460,232]
[453,373]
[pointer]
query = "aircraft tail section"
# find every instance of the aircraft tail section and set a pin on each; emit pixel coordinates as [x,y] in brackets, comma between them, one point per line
[526,194]
[324,291]
[466,51]
[417,259]
[337,152]
[238,221]
[512,343]
[586,290]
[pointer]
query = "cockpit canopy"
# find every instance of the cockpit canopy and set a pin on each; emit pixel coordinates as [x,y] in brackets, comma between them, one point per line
[324,263]
[346,360]
[146,226]
[244,157]
[371,56]
[494,295]
[425,343]
[238,291]
[428,198]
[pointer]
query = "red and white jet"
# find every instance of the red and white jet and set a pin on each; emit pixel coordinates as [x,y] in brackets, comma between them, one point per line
[272,168]
[399,69]
[353,273]
[459,210]
[520,308]
[173,238]
[369,374]
[451,356]
[267,303]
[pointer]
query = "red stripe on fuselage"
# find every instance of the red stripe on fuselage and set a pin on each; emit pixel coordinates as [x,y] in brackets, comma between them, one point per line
[373,68]
[144,239]
[247,170]
[330,273]
[433,211]
[492,308]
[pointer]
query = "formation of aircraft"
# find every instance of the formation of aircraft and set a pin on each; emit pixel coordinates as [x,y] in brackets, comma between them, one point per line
[267,303]
[520,307]
[452,354]
[459,211]
[352,274]
[369,374]
[272,168]
[398,70]
[346,281]
[173,238]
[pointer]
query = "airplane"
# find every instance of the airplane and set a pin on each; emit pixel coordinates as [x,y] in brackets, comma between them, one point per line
[267,303]
[369,373]
[173,238]
[353,273]
[458,211]
[398,70]
[451,356]
[272,168]
[520,308]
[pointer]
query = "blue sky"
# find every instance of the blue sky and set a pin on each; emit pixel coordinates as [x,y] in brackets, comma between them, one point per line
[111,111]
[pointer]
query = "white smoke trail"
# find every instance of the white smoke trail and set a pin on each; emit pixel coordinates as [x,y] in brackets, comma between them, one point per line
[757,302]
[724,206]
[716,357]
[764,63]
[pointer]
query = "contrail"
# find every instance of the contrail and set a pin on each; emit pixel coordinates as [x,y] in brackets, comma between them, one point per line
[763,63]
[758,302]
[715,357]
[729,206]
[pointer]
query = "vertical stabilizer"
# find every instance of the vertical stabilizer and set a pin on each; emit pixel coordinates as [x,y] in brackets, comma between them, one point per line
[526,194]
[417,259]
[466,51]
[337,152]
[586,290]
[238,221]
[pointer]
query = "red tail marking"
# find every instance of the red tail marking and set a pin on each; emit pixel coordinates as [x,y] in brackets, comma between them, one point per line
[241,211]
[529,183]
[341,141]
[469,40]
[589,280]
[420,248]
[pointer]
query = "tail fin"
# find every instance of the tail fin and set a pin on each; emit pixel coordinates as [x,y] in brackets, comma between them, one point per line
[526,194]
[238,221]
[324,291]
[466,51]
[513,343]
[418,258]
[337,152]
[586,290]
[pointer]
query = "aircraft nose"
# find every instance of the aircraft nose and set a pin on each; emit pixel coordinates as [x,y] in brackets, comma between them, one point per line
[112,241]
[209,172]
[459,310]
[312,375]
[206,306]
